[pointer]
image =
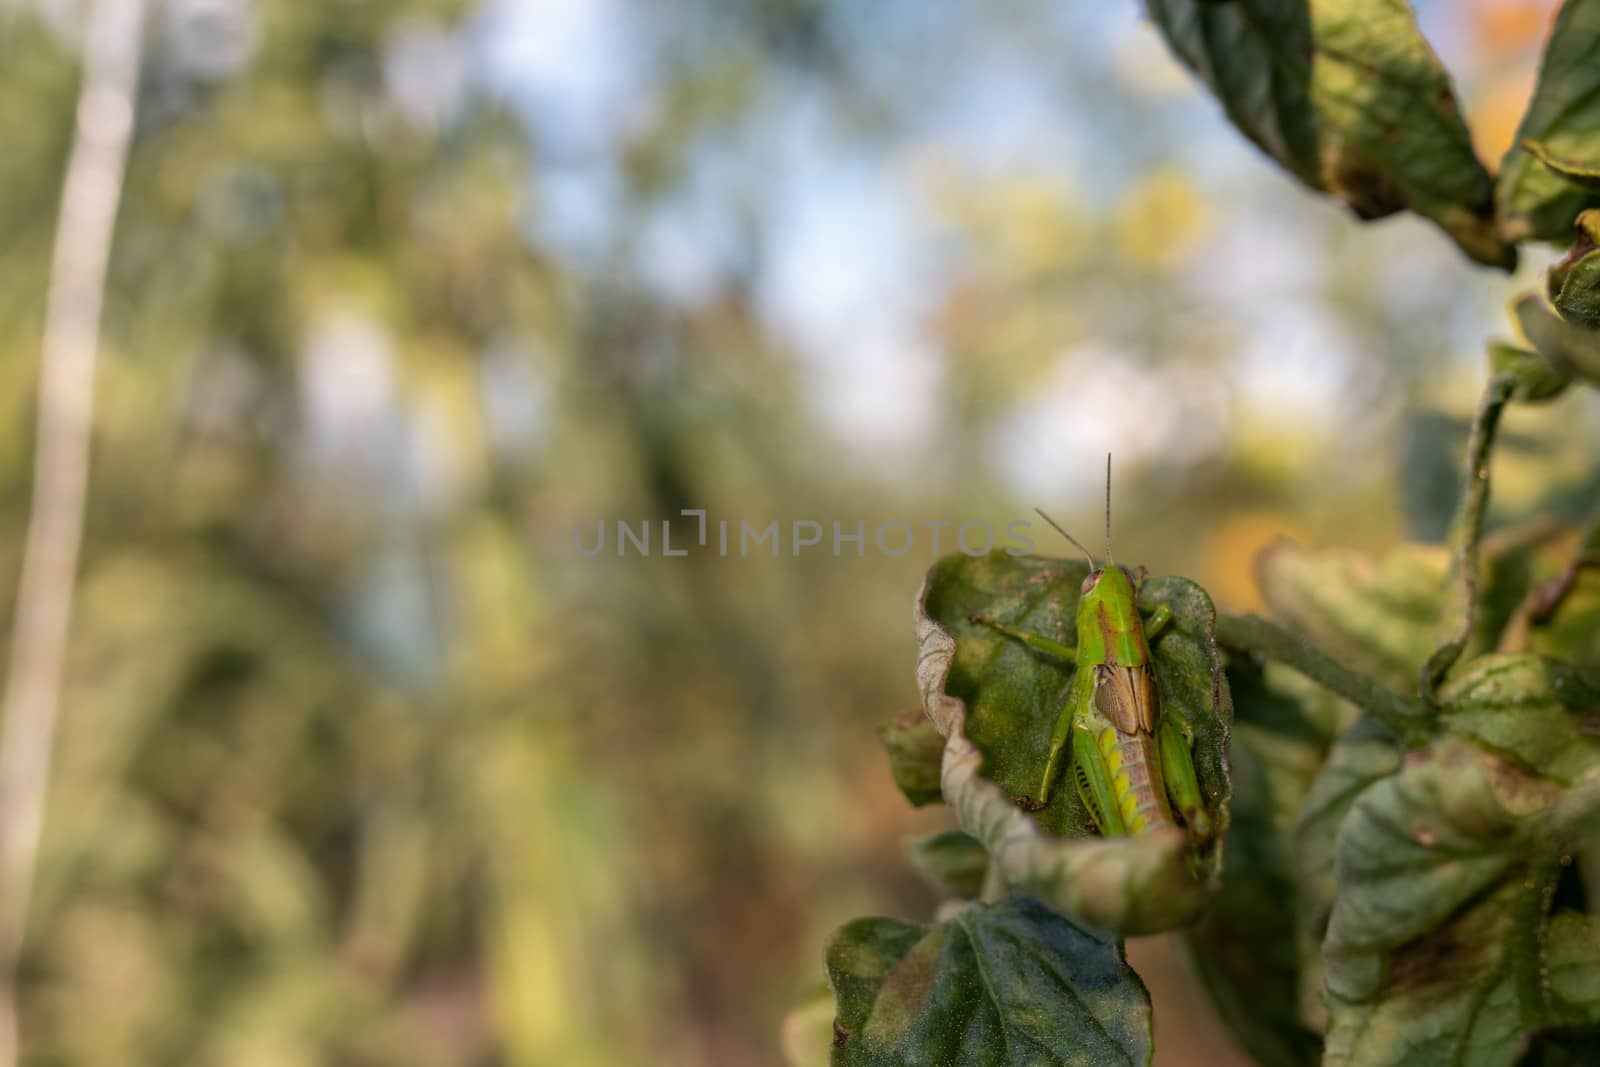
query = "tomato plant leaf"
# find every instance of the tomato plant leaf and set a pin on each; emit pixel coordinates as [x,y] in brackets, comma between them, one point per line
[1546,178]
[1381,614]
[1536,712]
[1363,754]
[1573,285]
[1348,96]
[1010,982]
[1377,614]
[1569,346]
[1435,950]
[1244,948]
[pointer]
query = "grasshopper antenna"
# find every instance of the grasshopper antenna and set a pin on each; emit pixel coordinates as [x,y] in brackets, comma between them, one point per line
[1075,542]
[1109,560]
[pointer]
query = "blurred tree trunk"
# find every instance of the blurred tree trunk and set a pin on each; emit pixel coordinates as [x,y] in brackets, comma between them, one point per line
[90,194]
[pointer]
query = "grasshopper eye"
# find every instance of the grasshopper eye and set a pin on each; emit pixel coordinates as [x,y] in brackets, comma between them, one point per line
[1090,580]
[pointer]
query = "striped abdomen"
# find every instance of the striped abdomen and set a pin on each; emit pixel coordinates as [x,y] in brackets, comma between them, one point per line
[1134,767]
[1127,699]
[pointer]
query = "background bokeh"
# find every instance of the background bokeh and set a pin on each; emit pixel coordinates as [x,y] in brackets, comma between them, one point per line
[362,762]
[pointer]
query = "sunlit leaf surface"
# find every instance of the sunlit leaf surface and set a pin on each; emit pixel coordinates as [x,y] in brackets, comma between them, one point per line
[1349,97]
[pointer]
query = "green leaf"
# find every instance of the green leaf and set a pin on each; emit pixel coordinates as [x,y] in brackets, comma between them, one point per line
[1244,948]
[1546,178]
[1580,174]
[1572,348]
[1376,614]
[1006,983]
[1573,964]
[1349,97]
[1573,284]
[1536,712]
[952,862]
[1534,378]
[1446,870]
[996,703]
[915,747]
[1569,628]
[1382,614]
[1363,754]
[1252,635]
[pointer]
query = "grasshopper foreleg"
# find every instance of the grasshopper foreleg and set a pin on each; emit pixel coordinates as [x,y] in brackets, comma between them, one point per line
[1156,621]
[1037,642]
[1062,732]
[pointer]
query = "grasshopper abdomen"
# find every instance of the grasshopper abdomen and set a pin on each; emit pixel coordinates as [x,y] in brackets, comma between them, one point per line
[1134,767]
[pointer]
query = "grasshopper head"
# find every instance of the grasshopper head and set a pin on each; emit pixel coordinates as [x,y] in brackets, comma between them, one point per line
[1113,582]
[1108,620]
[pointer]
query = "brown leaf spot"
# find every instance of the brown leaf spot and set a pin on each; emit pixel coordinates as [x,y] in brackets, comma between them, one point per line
[1359,181]
[1435,965]
[840,1035]
[905,990]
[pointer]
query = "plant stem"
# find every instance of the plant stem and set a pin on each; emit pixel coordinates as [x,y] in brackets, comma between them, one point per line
[1542,600]
[1466,535]
[1408,718]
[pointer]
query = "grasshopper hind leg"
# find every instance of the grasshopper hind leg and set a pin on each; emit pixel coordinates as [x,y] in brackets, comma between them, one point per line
[1183,787]
[1094,785]
[1086,793]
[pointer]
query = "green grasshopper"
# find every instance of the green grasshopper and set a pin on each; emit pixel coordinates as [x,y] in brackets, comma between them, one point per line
[1127,758]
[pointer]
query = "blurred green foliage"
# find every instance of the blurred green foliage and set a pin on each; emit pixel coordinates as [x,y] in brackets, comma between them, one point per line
[361,762]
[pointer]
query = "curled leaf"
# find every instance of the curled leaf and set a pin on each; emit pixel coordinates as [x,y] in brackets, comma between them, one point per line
[1534,377]
[1010,982]
[1572,348]
[996,703]
[1584,175]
